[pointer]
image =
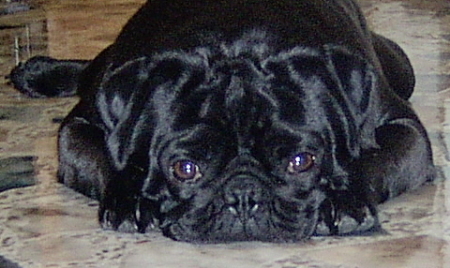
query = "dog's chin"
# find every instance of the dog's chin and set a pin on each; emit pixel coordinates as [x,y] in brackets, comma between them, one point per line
[280,223]
[231,229]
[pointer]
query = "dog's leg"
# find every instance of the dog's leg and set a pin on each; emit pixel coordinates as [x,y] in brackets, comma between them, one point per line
[85,166]
[83,162]
[403,162]
[396,66]
[47,77]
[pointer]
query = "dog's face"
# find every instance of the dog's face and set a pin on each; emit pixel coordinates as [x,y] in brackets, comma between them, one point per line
[242,144]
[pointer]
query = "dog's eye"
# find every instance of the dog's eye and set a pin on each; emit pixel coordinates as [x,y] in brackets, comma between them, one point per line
[186,170]
[301,163]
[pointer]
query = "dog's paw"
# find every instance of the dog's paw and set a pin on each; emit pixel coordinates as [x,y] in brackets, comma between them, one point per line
[42,76]
[110,220]
[342,224]
[131,217]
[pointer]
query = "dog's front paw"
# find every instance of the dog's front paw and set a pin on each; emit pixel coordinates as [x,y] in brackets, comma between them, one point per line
[118,215]
[336,220]
[111,220]
[133,216]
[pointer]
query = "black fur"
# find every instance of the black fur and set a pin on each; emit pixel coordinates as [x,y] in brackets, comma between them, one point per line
[240,120]
[43,77]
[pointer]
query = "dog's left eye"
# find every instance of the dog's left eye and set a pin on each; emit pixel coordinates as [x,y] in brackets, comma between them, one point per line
[301,163]
[186,170]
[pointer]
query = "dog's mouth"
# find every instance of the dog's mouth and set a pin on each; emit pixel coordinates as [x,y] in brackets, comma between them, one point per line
[244,215]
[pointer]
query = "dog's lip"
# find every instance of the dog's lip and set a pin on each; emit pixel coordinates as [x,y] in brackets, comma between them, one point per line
[256,225]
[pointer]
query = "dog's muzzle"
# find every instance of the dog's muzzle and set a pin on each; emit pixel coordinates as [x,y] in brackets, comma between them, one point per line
[243,196]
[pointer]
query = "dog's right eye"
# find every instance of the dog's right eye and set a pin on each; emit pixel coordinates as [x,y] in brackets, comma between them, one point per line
[301,163]
[186,170]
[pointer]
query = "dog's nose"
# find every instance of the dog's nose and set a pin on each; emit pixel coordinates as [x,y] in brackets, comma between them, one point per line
[243,197]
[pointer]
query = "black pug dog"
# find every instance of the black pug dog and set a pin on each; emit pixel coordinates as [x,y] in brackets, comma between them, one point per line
[239,120]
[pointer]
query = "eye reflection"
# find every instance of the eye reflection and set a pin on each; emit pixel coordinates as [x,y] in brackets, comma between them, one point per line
[301,163]
[186,170]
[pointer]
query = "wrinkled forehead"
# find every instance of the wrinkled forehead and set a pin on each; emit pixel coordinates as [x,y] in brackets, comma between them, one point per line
[249,92]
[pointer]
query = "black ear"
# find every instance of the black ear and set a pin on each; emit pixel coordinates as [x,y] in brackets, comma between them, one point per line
[357,88]
[124,100]
[121,97]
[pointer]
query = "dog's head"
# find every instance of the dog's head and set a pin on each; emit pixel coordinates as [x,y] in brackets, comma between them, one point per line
[243,143]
